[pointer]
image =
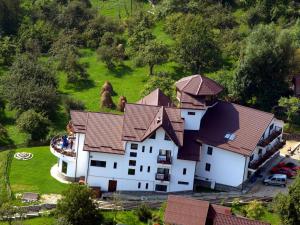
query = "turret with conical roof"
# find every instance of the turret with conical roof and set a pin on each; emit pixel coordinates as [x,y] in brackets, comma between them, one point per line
[196,94]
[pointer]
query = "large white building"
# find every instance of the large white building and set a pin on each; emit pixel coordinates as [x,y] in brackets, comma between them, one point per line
[156,146]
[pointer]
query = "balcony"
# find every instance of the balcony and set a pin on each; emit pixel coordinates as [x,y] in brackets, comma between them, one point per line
[255,164]
[275,133]
[162,177]
[163,159]
[63,146]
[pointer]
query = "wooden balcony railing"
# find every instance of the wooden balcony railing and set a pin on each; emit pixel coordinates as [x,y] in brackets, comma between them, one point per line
[55,142]
[162,159]
[275,133]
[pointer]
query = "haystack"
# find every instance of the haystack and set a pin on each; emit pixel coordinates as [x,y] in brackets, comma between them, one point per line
[107,87]
[121,104]
[106,100]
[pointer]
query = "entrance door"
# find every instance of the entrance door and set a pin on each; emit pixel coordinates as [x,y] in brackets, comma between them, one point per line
[112,185]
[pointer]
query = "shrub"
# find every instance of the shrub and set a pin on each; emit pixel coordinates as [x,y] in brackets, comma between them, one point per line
[73,104]
[33,123]
[144,213]
[255,210]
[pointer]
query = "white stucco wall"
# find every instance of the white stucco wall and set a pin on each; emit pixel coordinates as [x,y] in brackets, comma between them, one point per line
[99,176]
[82,156]
[227,167]
[192,122]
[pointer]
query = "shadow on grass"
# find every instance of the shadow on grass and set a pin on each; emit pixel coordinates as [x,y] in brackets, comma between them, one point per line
[81,85]
[121,70]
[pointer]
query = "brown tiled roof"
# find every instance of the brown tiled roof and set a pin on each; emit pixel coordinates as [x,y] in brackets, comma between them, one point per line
[222,219]
[185,211]
[156,97]
[140,121]
[79,119]
[103,131]
[191,146]
[188,101]
[198,85]
[247,124]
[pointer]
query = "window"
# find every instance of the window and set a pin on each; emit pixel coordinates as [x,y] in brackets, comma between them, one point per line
[64,167]
[132,163]
[98,163]
[139,185]
[147,185]
[115,165]
[209,150]
[141,168]
[167,138]
[271,127]
[150,151]
[134,146]
[153,136]
[191,113]
[184,171]
[143,149]
[260,151]
[207,167]
[133,154]
[160,187]
[183,182]
[148,169]
[131,171]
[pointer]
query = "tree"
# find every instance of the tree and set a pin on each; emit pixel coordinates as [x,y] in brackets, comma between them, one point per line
[195,46]
[9,16]
[77,206]
[7,51]
[255,210]
[34,124]
[162,81]
[154,53]
[265,63]
[144,213]
[292,106]
[30,84]
[288,205]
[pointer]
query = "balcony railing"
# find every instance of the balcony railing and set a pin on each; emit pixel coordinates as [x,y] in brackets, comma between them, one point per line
[163,159]
[63,145]
[162,177]
[275,133]
[255,164]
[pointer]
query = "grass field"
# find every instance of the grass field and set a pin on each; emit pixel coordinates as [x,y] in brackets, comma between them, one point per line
[36,221]
[34,175]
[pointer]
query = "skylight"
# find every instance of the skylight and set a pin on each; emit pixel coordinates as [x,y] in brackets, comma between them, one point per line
[230,136]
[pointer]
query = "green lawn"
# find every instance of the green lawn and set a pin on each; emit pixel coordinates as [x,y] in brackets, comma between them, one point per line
[36,221]
[3,187]
[34,175]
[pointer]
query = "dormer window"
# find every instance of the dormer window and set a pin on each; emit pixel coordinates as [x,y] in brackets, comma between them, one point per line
[191,113]
[153,136]
[230,136]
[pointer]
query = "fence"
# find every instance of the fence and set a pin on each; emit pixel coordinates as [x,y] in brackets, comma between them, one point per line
[287,136]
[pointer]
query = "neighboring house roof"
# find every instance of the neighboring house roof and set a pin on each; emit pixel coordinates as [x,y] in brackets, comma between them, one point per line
[246,124]
[198,85]
[296,82]
[103,131]
[140,121]
[221,219]
[156,97]
[187,211]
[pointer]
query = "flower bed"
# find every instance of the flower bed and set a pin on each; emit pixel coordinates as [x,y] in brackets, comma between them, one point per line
[23,156]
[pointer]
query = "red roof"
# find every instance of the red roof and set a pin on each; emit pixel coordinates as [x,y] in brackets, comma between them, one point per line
[140,121]
[198,85]
[246,124]
[187,211]
[103,131]
[156,97]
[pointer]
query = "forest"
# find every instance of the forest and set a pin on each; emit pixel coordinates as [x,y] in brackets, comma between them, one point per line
[56,55]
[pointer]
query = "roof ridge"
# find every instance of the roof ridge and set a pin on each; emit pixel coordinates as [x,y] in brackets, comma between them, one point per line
[107,113]
[201,80]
